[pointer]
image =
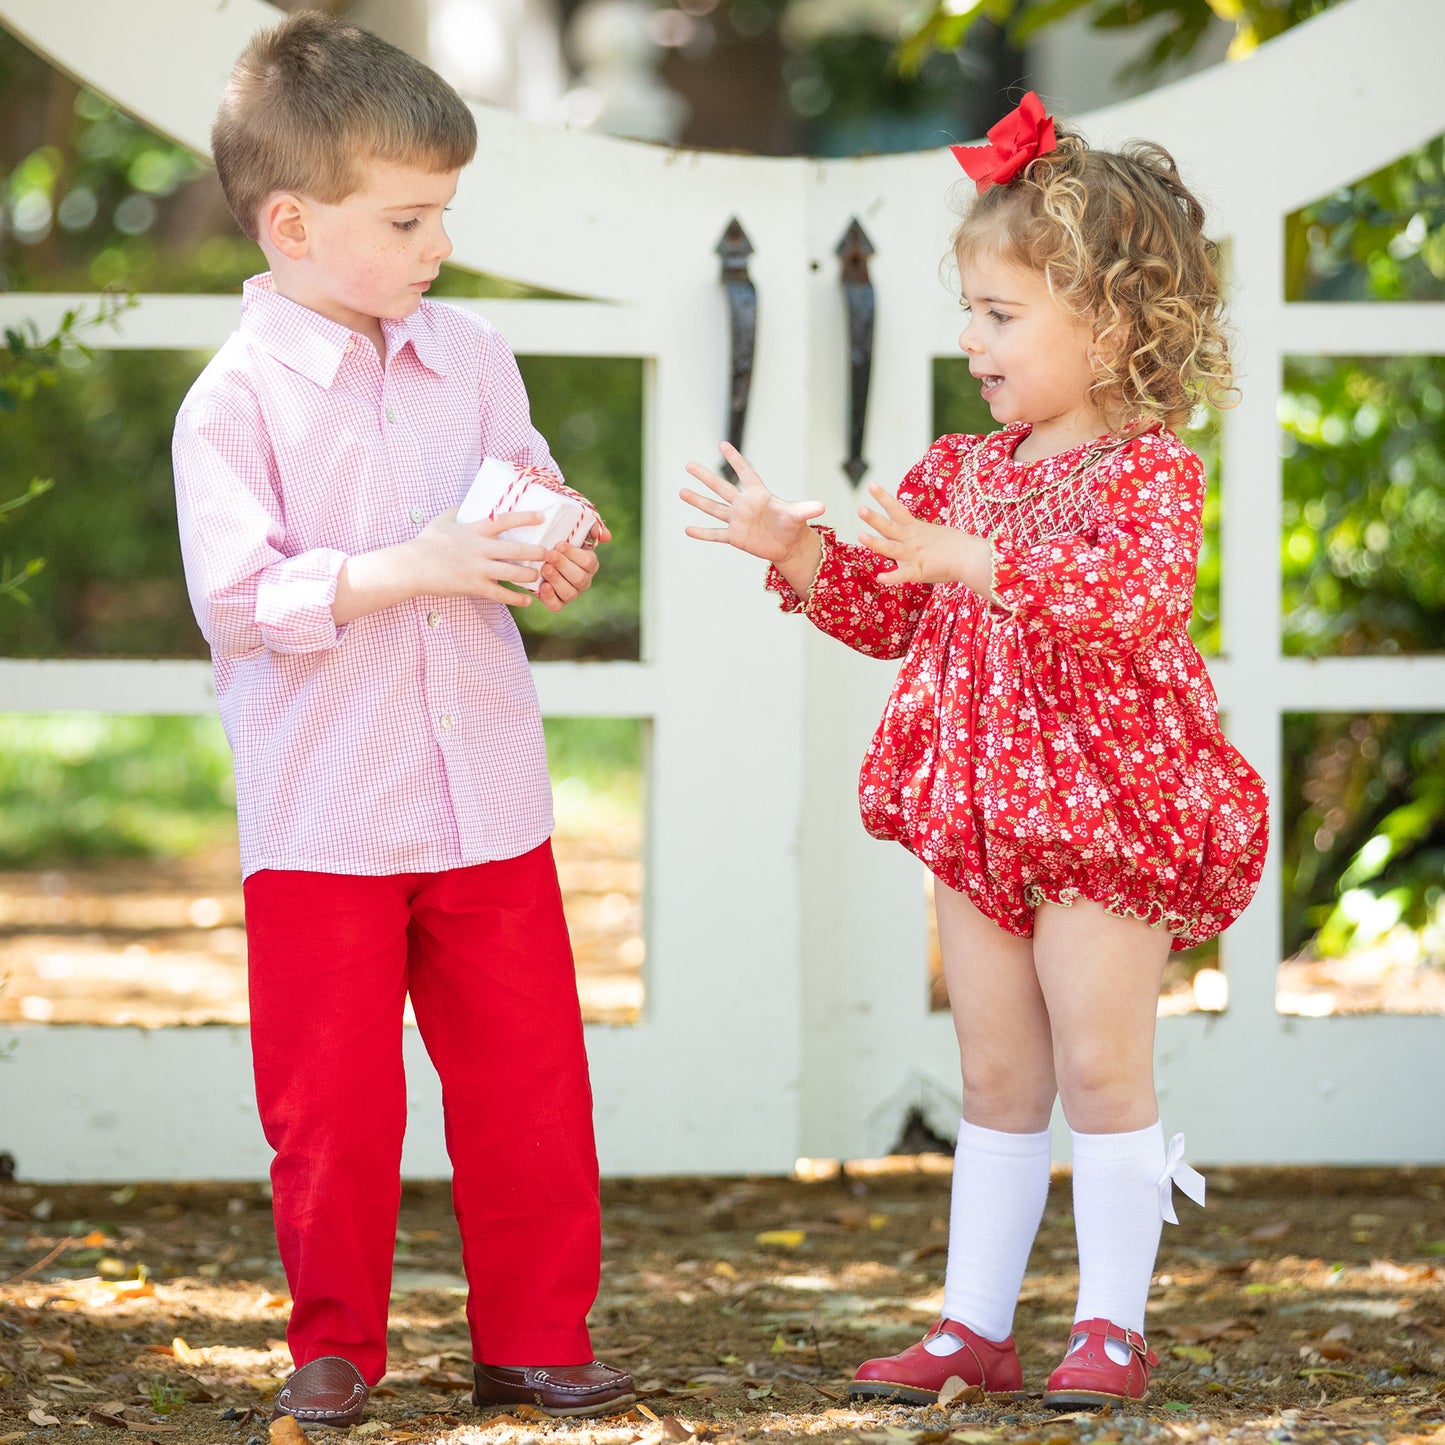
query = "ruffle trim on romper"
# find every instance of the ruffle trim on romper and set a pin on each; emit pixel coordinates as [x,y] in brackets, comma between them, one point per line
[1154,913]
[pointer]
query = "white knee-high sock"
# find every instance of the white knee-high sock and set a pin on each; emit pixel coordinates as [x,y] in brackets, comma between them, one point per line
[1000,1185]
[1118,1223]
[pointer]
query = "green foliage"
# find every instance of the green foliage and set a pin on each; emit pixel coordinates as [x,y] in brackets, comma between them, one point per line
[1364,827]
[93,785]
[1180,24]
[114,586]
[1380,239]
[27,364]
[1363,511]
[590,411]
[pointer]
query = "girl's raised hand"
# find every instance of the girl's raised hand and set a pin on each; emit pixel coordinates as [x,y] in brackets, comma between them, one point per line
[753,519]
[923,551]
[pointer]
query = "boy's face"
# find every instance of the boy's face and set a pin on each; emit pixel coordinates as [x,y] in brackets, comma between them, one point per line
[371,256]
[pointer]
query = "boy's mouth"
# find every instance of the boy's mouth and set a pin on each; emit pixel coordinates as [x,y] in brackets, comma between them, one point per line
[988,385]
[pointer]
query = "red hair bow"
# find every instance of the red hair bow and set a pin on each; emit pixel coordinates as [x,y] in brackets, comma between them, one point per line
[1017,139]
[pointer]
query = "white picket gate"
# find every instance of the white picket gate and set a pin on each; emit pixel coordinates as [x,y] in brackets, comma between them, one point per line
[786,1000]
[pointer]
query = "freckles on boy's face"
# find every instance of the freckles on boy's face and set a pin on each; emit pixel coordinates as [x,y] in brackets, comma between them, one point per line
[373,254]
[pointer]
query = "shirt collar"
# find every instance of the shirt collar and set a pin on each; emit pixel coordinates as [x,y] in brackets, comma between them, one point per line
[313,345]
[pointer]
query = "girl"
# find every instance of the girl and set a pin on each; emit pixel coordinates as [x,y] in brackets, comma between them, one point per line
[1051,749]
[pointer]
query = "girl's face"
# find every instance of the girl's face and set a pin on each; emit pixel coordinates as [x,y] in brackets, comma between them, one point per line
[1031,356]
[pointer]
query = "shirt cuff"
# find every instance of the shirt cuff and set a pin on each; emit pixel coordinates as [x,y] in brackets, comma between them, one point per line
[789,598]
[293,602]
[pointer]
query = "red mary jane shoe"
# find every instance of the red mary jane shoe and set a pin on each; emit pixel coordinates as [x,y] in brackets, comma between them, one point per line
[916,1376]
[1088,1376]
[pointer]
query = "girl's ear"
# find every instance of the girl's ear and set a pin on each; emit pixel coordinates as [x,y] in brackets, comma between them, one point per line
[285,224]
[1109,348]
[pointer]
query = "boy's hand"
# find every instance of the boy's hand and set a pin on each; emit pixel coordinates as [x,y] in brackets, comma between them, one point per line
[923,551]
[470,559]
[567,571]
[754,520]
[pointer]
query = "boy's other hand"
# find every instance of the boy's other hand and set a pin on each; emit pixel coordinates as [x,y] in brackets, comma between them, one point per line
[472,559]
[568,570]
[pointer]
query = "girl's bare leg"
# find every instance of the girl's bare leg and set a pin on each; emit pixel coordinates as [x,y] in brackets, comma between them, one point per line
[1001,1167]
[1100,975]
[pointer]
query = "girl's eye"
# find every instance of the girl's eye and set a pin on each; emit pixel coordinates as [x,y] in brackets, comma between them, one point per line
[410,225]
[999,318]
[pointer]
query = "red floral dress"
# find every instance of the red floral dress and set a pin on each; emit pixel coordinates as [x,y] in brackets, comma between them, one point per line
[1062,741]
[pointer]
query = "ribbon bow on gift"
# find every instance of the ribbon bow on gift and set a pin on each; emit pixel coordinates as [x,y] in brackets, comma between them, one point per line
[1176,1171]
[1018,138]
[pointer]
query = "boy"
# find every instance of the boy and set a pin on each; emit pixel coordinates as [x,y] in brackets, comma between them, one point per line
[391,780]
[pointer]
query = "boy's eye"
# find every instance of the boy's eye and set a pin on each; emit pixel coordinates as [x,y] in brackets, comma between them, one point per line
[410,225]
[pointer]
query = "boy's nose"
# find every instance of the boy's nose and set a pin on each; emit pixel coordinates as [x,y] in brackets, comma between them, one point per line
[443,248]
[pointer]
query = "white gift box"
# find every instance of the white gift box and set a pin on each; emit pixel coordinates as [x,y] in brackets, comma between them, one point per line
[501,487]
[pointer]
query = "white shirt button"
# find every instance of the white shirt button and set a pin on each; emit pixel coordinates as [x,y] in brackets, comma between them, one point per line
[446,722]
[390,414]
[418,516]
[351,344]
[433,619]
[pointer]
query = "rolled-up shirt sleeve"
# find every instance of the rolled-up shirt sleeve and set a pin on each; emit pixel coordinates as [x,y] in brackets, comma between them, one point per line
[247,594]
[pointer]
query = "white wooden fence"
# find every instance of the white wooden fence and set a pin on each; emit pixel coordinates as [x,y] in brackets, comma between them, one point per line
[786,1000]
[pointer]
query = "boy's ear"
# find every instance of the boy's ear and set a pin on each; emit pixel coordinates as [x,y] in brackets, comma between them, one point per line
[285,224]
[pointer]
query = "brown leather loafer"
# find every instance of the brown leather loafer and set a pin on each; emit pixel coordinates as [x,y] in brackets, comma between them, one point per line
[559,1390]
[328,1391]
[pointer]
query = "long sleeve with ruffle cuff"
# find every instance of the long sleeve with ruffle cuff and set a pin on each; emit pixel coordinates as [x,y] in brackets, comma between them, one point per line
[1132,574]
[847,601]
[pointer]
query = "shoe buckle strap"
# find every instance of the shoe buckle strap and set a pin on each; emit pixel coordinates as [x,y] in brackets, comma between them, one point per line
[1130,1339]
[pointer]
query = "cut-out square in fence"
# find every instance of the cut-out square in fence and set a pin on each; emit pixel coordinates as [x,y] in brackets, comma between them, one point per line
[120,885]
[1361,852]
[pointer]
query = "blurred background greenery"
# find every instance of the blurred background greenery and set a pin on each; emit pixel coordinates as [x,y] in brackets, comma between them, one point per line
[90,199]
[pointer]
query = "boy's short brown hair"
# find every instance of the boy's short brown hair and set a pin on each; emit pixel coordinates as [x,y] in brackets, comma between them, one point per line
[312,99]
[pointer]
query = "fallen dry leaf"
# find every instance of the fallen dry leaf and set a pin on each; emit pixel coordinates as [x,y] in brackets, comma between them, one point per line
[186,1354]
[41,1417]
[782,1238]
[955,1388]
[285,1430]
[675,1429]
[646,1413]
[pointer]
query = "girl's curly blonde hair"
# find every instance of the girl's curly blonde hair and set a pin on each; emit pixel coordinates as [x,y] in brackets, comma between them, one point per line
[1121,244]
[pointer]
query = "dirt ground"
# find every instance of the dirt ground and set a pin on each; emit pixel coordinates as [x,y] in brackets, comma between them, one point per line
[1302,1305]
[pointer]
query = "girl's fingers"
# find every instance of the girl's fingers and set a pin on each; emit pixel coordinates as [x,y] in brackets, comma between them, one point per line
[878,522]
[747,477]
[889,503]
[705,504]
[707,534]
[806,511]
[714,483]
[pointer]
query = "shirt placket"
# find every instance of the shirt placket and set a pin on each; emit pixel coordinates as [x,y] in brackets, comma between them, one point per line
[440,675]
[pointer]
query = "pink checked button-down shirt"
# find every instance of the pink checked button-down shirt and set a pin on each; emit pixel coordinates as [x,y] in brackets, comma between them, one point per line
[408,740]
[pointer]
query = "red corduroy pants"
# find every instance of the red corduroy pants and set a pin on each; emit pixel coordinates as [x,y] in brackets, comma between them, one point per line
[484,953]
